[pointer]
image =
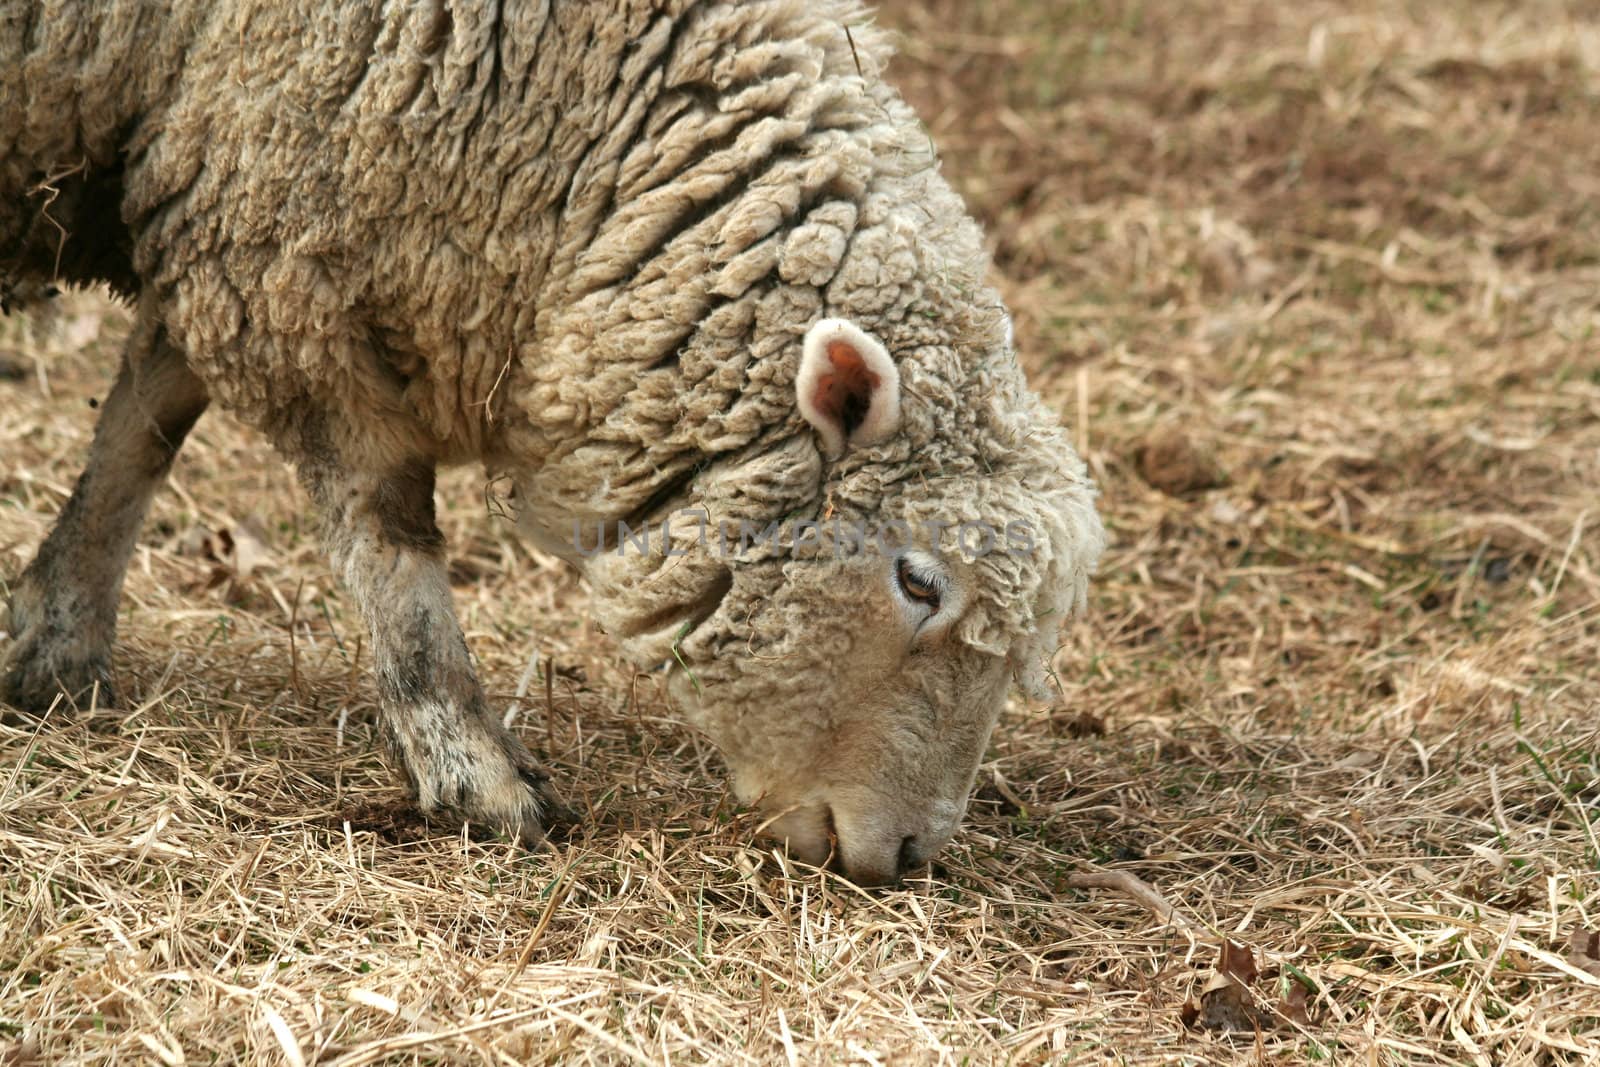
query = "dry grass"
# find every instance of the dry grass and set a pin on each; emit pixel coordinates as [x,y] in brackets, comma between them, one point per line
[1330,273]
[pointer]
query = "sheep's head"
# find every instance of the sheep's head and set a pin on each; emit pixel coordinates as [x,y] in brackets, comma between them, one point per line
[845,608]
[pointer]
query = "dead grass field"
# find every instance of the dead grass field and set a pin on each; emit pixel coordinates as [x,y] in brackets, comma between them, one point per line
[1317,285]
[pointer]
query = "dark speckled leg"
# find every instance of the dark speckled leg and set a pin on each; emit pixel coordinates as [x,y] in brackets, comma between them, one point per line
[385,546]
[62,611]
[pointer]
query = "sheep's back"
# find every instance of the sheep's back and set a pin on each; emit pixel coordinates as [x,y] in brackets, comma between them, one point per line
[433,209]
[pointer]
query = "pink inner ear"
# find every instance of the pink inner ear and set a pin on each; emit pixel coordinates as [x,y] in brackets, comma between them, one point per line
[845,395]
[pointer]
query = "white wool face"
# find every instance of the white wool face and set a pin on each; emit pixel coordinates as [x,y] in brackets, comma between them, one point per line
[848,388]
[852,692]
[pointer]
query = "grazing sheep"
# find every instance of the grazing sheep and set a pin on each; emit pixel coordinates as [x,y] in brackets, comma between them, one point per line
[665,266]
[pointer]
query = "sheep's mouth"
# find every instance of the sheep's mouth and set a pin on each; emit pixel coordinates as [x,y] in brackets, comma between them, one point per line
[830,829]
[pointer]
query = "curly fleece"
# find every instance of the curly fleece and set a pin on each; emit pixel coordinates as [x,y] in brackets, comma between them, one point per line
[578,242]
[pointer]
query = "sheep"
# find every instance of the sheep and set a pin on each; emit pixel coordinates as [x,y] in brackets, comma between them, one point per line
[682,265]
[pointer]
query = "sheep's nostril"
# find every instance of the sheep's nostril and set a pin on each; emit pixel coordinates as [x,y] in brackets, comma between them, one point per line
[908,857]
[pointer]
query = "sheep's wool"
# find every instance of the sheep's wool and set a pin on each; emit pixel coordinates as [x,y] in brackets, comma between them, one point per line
[579,242]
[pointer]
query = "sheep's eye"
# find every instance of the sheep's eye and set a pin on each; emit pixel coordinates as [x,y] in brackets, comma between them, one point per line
[918,587]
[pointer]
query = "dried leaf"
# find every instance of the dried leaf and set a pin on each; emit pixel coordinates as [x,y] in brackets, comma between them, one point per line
[1292,1005]
[1583,950]
[1177,464]
[248,552]
[1238,962]
[237,550]
[1083,723]
[1225,1002]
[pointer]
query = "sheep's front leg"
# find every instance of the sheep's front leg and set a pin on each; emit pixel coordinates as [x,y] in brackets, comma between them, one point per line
[62,612]
[385,546]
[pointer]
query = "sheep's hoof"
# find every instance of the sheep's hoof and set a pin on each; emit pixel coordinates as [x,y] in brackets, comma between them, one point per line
[527,818]
[510,796]
[39,677]
[51,663]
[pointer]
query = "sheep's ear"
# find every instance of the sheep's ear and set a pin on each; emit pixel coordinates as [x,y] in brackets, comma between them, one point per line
[848,387]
